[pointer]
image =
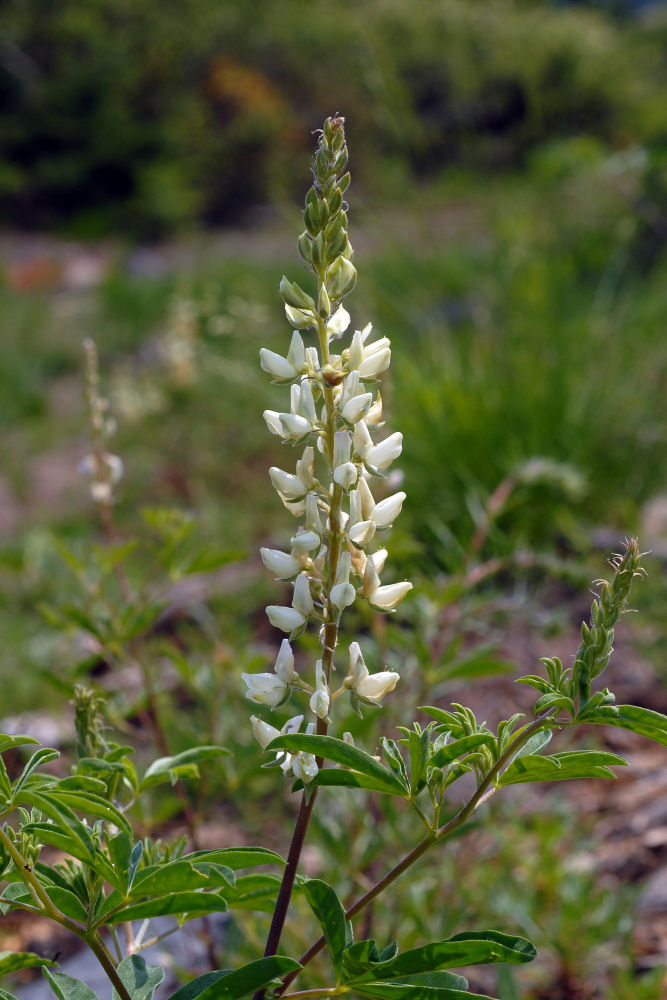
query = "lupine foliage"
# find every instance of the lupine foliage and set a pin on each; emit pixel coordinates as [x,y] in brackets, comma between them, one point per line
[110,876]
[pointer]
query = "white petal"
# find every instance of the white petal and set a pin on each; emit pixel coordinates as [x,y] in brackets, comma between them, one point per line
[383,454]
[292,425]
[296,356]
[386,598]
[357,407]
[273,422]
[304,541]
[375,364]
[361,533]
[284,665]
[346,475]
[286,619]
[342,595]
[338,323]
[280,563]
[304,766]
[263,732]
[379,558]
[302,600]
[386,512]
[376,686]
[284,482]
[361,439]
[367,500]
[264,689]
[276,365]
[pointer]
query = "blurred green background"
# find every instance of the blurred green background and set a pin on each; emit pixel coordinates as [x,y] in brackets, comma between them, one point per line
[509,213]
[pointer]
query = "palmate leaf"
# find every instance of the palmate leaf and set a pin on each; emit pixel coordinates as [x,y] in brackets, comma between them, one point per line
[64,899]
[416,991]
[468,948]
[58,836]
[330,914]
[642,721]
[139,979]
[181,765]
[41,756]
[62,815]
[180,876]
[224,985]
[458,748]
[12,961]
[560,767]
[193,903]
[338,777]
[341,753]
[67,987]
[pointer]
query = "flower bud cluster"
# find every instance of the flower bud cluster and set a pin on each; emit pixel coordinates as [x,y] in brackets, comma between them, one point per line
[335,418]
[103,469]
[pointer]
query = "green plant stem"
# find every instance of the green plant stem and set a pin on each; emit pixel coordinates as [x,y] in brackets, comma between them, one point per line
[47,908]
[329,646]
[445,831]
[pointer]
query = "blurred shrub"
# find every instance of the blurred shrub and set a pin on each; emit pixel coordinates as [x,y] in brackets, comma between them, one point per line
[140,116]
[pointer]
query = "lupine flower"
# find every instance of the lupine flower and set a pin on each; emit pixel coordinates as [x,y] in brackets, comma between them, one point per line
[291,619]
[369,687]
[386,511]
[319,700]
[265,734]
[288,368]
[381,455]
[283,565]
[342,592]
[271,689]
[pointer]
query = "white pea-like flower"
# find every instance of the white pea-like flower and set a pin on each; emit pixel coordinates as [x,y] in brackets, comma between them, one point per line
[386,511]
[386,598]
[369,687]
[271,689]
[286,619]
[302,600]
[265,689]
[320,700]
[338,323]
[288,368]
[381,455]
[342,592]
[283,565]
[265,734]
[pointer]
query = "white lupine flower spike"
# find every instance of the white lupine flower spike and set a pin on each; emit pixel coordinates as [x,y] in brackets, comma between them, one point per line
[334,415]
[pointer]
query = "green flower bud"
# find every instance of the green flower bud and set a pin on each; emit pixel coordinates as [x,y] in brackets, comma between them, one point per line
[341,278]
[293,295]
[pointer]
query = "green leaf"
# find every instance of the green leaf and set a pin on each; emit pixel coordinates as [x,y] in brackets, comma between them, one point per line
[535,745]
[4,995]
[91,805]
[192,903]
[330,914]
[125,858]
[62,815]
[12,961]
[642,721]
[239,983]
[58,836]
[395,760]
[8,742]
[458,748]
[41,756]
[197,986]
[338,777]
[236,857]
[82,783]
[560,767]
[254,892]
[415,991]
[139,979]
[340,753]
[468,948]
[180,876]
[63,899]
[181,765]
[67,987]
[554,700]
